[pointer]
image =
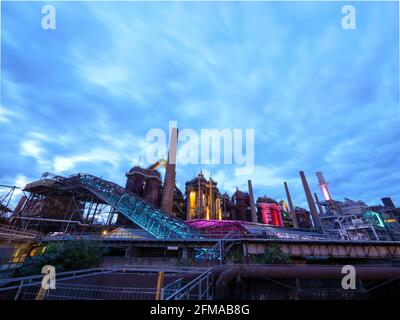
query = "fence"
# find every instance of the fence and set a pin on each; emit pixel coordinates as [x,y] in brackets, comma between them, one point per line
[27,288]
[199,288]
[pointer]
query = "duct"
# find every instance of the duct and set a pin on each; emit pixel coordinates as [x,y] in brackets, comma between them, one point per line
[222,292]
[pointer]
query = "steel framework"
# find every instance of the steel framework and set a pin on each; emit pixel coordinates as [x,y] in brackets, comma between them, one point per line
[142,213]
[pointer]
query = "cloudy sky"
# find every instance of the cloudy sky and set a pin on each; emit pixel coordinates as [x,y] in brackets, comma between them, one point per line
[82,97]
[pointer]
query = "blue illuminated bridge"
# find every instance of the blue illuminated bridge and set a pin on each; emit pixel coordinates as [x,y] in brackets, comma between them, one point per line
[150,218]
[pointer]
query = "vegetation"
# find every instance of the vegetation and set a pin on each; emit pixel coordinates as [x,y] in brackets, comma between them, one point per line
[273,255]
[65,256]
[236,255]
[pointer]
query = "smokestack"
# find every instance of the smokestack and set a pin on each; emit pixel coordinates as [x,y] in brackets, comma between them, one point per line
[388,202]
[210,200]
[252,205]
[323,185]
[169,180]
[291,208]
[318,204]
[310,200]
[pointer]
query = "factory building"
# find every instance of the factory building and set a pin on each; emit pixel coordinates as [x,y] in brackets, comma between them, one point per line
[269,211]
[228,207]
[303,217]
[389,214]
[203,199]
[241,201]
[145,183]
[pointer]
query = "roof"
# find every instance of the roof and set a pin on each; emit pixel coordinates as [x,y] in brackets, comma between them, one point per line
[128,233]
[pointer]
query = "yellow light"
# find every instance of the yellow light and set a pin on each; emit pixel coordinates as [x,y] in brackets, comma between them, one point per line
[104,232]
[207,213]
[219,211]
[192,203]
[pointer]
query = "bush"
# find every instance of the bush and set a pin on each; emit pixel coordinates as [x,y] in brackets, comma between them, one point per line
[235,255]
[273,255]
[65,256]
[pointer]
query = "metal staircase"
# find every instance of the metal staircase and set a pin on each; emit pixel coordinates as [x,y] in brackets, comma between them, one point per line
[218,251]
[151,218]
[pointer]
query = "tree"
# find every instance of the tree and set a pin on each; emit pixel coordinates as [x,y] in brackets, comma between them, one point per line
[65,256]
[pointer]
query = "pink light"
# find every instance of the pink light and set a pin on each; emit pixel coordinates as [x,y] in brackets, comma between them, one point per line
[325,192]
[271,213]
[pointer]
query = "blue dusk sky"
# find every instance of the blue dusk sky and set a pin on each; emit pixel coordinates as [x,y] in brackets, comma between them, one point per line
[82,97]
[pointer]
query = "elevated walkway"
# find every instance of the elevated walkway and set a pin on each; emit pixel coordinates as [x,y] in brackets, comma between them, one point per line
[152,219]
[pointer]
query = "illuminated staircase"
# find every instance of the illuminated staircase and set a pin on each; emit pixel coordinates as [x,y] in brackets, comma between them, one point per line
[149,217]
[219,250]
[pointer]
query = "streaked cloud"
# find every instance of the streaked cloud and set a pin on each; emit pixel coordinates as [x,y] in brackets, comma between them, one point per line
[82,97]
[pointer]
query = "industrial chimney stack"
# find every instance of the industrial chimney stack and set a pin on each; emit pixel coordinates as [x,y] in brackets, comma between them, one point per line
[169,179]
[324,186]
[310,200]
[252,204]
[291,207]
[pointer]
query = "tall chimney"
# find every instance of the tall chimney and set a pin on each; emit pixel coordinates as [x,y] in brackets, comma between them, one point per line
[169,180]
[318,204]
[291,208]
[210,200]
[252,205]
[310,200]
[323,185]
[388,202]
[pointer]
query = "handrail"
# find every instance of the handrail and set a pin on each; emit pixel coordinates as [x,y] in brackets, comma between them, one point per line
[188,287]
[208,238]
[30,279]
[13,232]
[170,286]
[67,275]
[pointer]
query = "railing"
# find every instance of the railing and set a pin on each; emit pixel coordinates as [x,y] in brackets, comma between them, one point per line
[12,233]
[217,252]
[28,287]
[133,262]
[215,236]
[73,291]
[21,282]
[199,288]
[171,288]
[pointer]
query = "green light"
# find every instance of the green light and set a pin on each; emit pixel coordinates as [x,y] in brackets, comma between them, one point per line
[377,215]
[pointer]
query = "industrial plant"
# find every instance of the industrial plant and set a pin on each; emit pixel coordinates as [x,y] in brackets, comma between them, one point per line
[199,243]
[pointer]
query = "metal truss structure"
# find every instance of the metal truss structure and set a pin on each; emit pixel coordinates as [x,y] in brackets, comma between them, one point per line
[95,192]
[6,207]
